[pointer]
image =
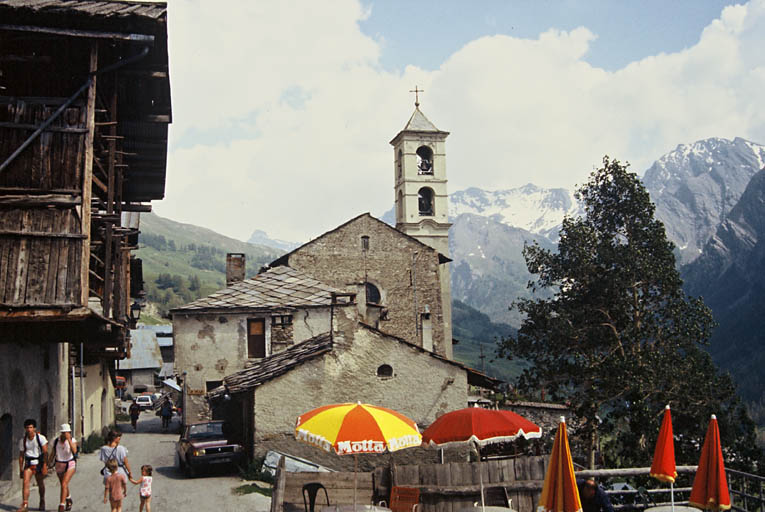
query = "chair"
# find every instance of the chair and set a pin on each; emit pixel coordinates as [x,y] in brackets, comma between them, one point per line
[312,489]
[404,499]
[496,497]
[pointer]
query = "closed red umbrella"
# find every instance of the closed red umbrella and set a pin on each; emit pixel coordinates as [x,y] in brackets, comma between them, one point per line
[559,492]
[663,467]
[710,486]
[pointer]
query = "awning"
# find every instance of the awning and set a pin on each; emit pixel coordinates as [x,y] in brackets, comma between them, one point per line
[171,384]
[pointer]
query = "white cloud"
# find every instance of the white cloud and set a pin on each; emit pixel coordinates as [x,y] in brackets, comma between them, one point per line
[282,115]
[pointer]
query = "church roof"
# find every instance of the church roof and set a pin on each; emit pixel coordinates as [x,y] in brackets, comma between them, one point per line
[278,287]
[419,123]
[285,258]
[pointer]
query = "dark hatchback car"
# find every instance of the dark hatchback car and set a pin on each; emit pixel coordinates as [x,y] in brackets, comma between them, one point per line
[205,445]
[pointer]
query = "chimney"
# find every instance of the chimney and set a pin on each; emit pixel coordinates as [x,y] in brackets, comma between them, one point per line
[235,270]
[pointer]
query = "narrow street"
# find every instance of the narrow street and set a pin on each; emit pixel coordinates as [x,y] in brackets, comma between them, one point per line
[171,490]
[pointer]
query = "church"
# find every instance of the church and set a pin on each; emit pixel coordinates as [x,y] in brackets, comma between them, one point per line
[360,313]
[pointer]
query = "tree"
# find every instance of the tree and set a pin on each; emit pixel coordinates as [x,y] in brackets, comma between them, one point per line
[619,339]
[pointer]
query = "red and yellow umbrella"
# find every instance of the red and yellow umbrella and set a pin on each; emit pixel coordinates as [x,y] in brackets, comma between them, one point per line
[357,428]
[663,467]
[710,486]
[560,493]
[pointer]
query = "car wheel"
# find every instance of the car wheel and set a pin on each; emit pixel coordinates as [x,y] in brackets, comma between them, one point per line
[179,462]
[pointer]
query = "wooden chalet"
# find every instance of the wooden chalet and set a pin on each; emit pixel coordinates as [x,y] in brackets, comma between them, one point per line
[84,114]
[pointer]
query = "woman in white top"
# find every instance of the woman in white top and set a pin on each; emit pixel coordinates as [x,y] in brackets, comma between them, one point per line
[113,450]
[64,454]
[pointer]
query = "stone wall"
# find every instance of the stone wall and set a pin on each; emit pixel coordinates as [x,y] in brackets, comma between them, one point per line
[209,346]
[407,273]
[422,387]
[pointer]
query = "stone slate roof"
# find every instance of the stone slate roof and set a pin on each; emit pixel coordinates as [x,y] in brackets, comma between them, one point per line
[274,365]
[419,123]
[279,287]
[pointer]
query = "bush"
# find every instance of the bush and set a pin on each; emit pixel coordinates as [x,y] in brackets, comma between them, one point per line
[254,471]
[92,443]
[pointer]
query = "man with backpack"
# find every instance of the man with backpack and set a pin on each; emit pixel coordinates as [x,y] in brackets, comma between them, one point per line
[33,454]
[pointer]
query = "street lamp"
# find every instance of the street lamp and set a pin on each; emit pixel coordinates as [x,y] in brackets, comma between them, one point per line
[135,312]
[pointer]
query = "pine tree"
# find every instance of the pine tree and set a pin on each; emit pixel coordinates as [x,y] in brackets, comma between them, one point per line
[619,339]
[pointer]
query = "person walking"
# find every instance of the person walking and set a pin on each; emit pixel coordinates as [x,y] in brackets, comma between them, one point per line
[115,486]
[135,411]
[145,490]
[112,450]
[166,411]
[64,454]
[33,455]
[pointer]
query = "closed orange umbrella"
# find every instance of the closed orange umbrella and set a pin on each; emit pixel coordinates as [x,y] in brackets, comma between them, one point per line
[710,486]
[663,467]
[559,493]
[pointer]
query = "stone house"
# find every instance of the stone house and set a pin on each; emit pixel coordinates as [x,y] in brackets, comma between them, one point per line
[235,327]
[353,362]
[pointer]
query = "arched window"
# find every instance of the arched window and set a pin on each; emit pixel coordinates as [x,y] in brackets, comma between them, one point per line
[364,242]
[399,163]
[7,448]
[373,294]
[385,370]
[400,207]
[425,201]
[424,160]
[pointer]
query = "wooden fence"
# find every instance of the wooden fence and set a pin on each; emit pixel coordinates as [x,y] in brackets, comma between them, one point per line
[443,487]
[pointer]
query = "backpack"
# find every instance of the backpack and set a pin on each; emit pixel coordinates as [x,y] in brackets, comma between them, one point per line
[75,454]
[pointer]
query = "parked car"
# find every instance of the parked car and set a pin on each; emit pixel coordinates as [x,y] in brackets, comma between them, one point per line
[206,445]
[144,402]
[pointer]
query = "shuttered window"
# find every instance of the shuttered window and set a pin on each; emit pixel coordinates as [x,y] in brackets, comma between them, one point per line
[256,338]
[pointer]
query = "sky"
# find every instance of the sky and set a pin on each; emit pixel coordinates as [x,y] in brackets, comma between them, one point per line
[283,111]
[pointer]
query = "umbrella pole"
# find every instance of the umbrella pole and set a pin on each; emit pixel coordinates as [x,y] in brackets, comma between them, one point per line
[355,473]
[480,475]
[672,494]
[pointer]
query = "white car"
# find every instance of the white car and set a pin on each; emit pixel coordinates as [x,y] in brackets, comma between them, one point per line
[144,401]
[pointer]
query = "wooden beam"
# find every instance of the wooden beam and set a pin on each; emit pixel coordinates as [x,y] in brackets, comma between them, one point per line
[42,234]
[136,207]
[138,38]
[40,200]
[87,178]
[60,129]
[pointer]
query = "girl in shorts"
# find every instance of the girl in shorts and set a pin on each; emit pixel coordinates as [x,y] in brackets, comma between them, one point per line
[145,489]
[64,454]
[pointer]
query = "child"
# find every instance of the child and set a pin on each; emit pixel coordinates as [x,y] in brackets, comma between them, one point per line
[115,486]
[145,490]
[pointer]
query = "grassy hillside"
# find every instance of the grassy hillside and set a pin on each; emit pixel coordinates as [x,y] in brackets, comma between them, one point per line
[475,332]
[182,262]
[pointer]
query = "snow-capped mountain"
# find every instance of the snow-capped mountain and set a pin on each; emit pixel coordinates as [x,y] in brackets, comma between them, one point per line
[534,209]
[695,186]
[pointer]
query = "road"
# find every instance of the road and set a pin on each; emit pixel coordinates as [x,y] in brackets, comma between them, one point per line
[170,489]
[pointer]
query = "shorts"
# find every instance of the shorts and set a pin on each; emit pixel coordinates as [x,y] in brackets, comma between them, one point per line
[36,468]
[63,467]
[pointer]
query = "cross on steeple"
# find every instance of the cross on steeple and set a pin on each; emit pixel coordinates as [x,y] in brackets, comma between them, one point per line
[417,92]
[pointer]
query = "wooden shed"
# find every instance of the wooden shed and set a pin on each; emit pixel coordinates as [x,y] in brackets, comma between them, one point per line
[84,114]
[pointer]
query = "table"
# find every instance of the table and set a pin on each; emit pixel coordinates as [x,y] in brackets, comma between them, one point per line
[668,508]
[488,508]
[350,508]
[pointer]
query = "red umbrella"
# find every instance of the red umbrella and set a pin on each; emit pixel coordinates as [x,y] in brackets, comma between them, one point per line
[480,426]
[559,492]
[710,486]
[663,467]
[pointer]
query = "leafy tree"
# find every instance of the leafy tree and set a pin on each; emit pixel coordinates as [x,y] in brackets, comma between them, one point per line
[619,339]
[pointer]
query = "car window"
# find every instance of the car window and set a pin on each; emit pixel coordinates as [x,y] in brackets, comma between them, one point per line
[206,430]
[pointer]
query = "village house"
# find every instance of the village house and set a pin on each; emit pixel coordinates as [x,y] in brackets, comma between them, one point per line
[84,113]
[141,370]
[360,313]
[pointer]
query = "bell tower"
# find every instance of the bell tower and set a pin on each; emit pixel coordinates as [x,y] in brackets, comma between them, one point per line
[422,211]
[422,203]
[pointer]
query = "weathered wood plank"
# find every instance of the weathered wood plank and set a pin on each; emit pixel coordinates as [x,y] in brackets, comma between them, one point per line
[38,251]
[87,177]
[444,479]
[54,248]
[63,257]
[22,264]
